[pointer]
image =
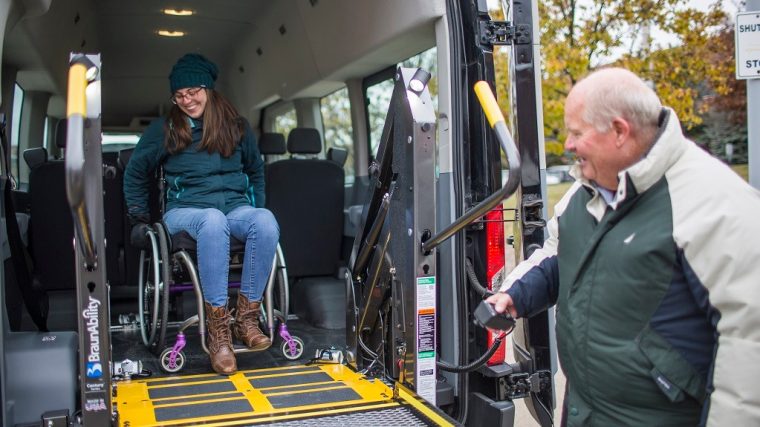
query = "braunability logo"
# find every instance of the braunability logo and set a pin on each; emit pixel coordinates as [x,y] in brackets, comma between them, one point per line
[94,366]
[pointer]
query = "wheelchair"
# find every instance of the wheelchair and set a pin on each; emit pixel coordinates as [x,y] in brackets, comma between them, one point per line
[167,266]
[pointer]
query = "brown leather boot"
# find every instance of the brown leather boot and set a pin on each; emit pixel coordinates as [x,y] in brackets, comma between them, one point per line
[220,340]
[247,324]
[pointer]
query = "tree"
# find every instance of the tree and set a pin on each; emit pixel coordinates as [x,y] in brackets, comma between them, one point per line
[579,36]
[724,128]
[732,101]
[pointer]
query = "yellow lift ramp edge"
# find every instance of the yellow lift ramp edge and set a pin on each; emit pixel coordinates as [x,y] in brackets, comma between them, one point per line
[293,395]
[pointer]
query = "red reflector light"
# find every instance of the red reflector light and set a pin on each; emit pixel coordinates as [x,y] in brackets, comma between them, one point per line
[495,262]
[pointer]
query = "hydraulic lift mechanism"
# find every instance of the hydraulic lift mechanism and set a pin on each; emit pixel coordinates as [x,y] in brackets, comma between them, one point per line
[392,289]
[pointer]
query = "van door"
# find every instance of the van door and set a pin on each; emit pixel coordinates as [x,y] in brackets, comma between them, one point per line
[480,165]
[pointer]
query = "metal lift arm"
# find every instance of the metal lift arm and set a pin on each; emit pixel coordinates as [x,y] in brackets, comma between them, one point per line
[83,160]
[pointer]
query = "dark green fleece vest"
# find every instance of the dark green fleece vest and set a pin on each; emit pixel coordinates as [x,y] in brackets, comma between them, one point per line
[613,275]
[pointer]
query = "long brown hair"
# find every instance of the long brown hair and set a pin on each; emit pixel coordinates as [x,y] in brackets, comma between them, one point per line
[222,127]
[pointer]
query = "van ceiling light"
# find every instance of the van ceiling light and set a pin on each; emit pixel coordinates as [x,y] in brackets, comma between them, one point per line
[178,12]
[167,33]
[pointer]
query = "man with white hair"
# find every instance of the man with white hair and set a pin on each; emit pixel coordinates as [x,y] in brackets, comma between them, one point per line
[656,277]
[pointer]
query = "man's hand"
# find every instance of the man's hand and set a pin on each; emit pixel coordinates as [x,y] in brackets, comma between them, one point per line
[503,302]
[139,235]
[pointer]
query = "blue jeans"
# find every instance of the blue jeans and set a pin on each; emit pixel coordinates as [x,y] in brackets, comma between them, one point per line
[211,229]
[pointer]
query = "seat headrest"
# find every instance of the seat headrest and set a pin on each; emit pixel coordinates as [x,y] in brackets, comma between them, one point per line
[304,141]
[272,143]
[35,156]
[337,155]
[60,133]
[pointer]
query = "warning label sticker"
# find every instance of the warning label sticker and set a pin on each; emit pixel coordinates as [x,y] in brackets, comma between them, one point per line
[425,366]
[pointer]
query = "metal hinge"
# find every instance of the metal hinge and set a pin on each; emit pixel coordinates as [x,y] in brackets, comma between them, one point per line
[520,385]
[503,33]
[532,207]
[496,32]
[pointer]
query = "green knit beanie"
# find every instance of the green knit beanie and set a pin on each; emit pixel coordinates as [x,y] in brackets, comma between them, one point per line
[192,70]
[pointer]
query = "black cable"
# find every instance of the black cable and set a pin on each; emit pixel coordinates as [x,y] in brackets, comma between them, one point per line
[474,282]
[356,322]
[475,364]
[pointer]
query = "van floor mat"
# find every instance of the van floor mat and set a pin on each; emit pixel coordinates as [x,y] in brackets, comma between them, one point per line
[287,396]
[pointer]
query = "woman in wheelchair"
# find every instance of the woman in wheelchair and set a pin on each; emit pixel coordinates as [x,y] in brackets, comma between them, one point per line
[214,186]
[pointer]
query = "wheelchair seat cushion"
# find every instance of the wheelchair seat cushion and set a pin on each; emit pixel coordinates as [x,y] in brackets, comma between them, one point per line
[183,240]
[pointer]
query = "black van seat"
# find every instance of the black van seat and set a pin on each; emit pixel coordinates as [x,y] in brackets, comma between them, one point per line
[51,232]
[337,155]
[304,141]
[113,202]
[35,156]
[272,143]
[306,196]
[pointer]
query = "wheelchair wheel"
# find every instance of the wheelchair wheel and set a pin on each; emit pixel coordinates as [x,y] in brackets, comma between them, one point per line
[148,291]
[165,271]
[167,366]
[280,293]
[299,347]
[281,280]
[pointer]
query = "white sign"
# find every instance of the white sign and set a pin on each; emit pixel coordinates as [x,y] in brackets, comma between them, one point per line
[748,45]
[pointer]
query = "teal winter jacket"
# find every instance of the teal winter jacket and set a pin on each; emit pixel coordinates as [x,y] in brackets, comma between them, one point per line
[194,178]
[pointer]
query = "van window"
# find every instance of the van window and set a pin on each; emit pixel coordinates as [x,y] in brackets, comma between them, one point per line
[285,121]
[378,98]
[113,142]
[46,133]
[379,88]
[18,103]
[336,120]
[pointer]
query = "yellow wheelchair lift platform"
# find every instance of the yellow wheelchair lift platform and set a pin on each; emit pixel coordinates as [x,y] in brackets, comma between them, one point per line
[292,395]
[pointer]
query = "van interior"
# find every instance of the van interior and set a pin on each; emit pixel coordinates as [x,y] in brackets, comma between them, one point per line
[315,80]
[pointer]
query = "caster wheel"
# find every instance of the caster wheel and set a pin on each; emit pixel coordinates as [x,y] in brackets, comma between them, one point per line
[166,365]
[298,349]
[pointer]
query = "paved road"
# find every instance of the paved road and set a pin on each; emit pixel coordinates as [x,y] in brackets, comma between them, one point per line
[523,418]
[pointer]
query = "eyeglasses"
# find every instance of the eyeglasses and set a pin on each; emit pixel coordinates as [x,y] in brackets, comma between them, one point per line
[178,97]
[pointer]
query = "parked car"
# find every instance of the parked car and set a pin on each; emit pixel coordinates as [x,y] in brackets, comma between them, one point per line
[558,174]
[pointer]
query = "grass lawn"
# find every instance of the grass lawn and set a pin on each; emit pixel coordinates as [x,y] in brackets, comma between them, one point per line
[554,193]
[742,170]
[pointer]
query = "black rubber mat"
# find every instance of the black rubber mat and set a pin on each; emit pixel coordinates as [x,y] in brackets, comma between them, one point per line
[280,371]
[310,386]
[313,398]
[196,410]
[188,399]
[290,380]
[181,380]
[191,389]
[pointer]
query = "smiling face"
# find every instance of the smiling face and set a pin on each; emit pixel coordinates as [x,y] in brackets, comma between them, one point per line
[192,101]
[598,153]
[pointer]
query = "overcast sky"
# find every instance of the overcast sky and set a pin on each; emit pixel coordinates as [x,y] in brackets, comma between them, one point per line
[729,6]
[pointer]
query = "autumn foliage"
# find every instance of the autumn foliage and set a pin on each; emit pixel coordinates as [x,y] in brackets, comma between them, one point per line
[687,54]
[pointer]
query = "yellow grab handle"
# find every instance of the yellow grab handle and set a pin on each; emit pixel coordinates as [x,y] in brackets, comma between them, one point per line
[488,102]
[77,103]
